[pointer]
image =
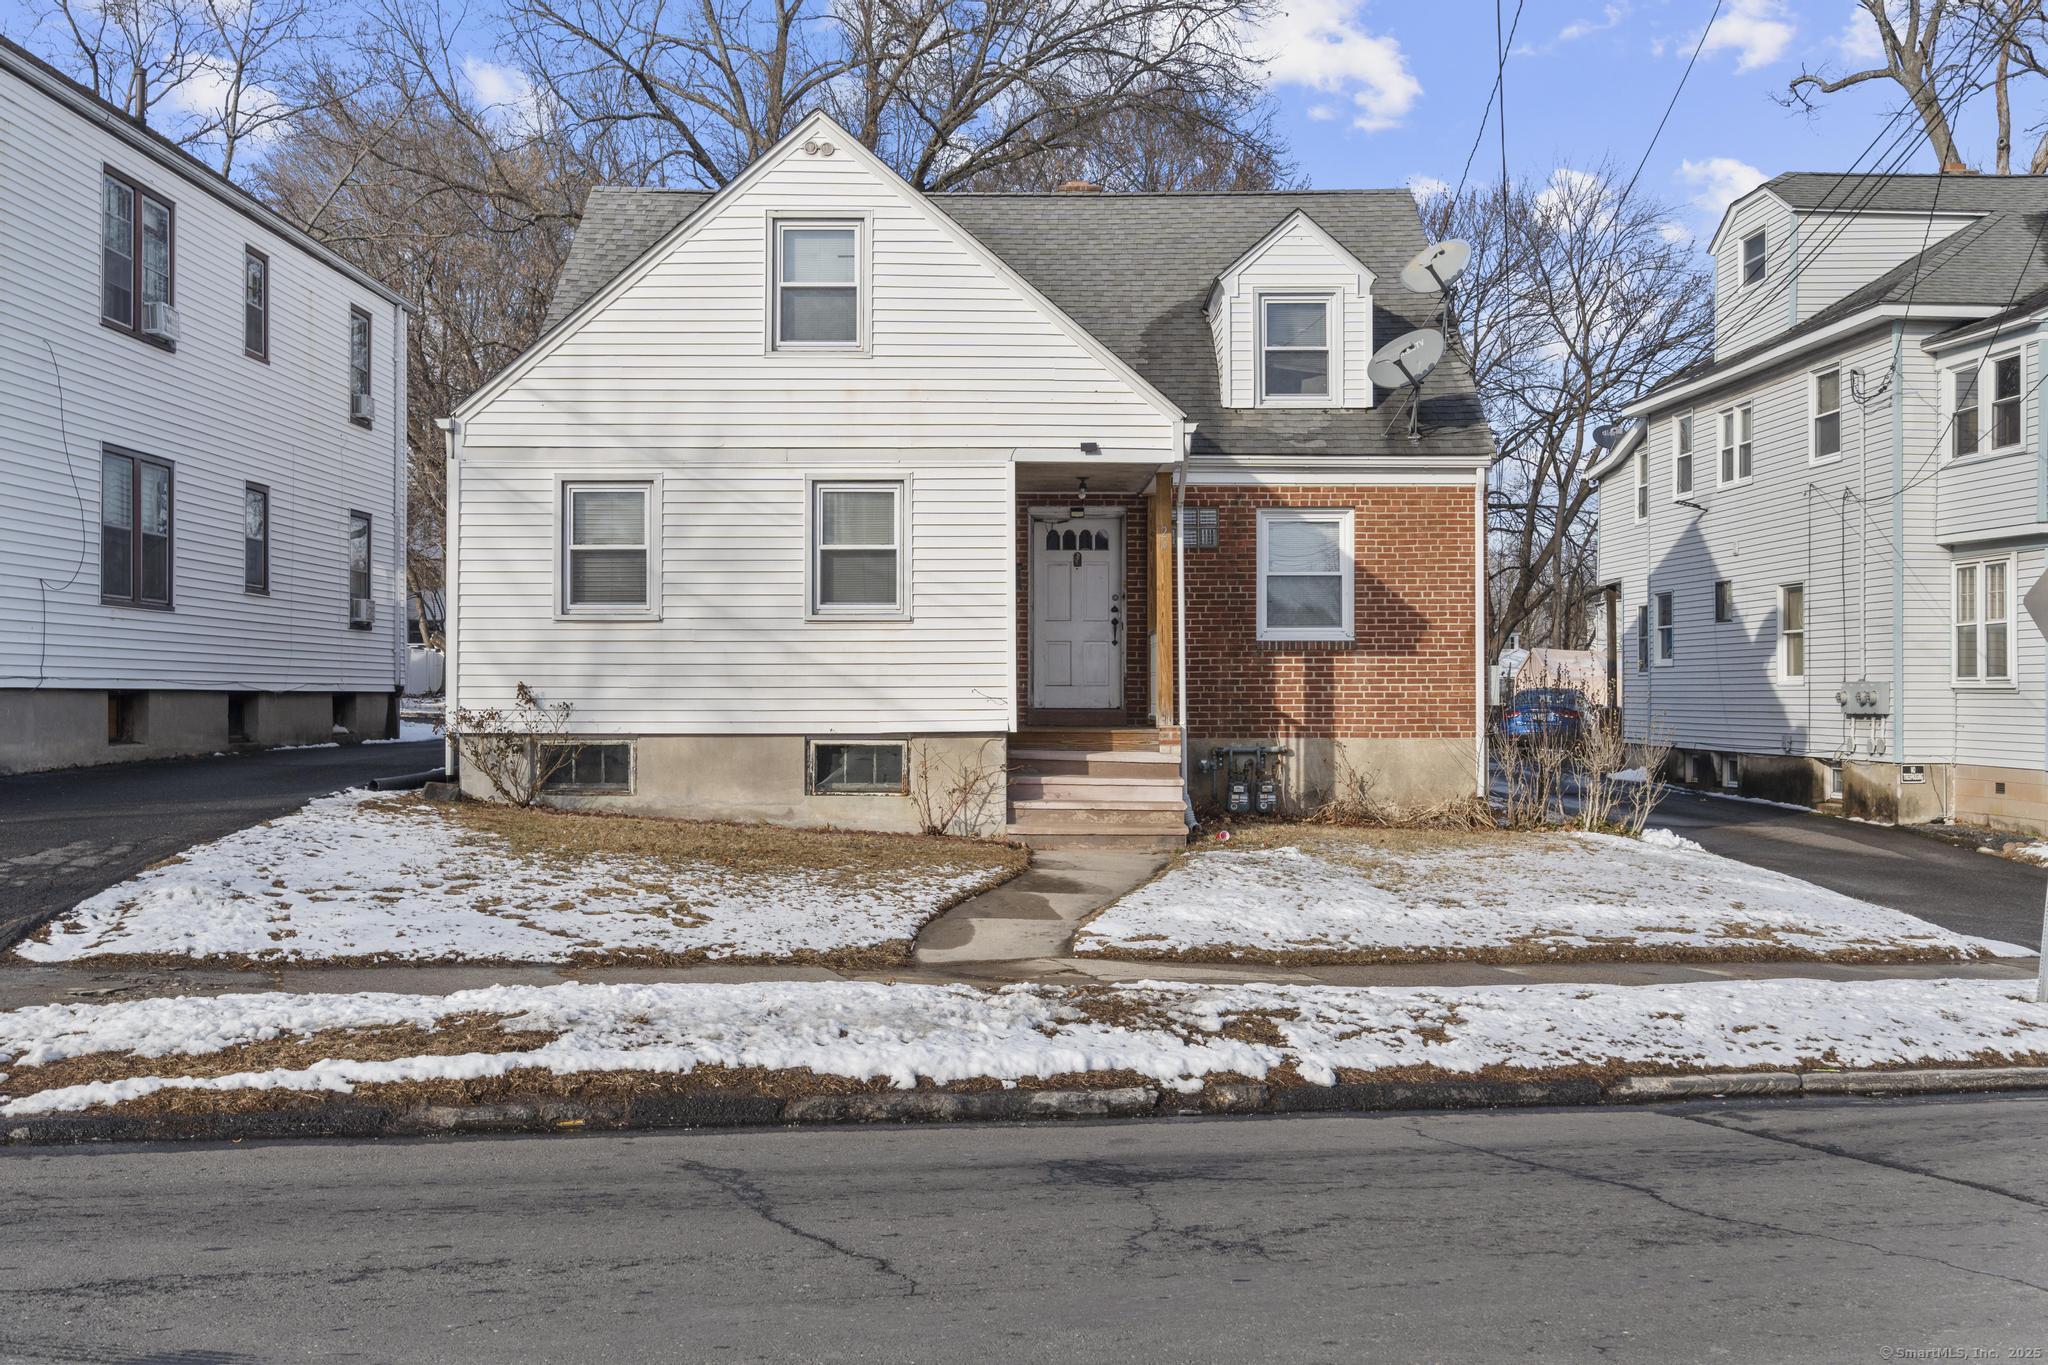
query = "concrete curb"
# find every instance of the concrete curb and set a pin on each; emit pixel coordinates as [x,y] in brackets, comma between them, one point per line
[348,1120]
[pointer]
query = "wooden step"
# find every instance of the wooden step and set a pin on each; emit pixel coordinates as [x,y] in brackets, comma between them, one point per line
[1092,790]
[1093,763]
[1104,737]
[1170,802]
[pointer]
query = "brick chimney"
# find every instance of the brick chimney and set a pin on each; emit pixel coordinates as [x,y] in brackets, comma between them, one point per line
[1076,187]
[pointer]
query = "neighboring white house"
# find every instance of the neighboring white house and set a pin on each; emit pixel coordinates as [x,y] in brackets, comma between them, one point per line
[819,480]
[1816,542]
[203,420]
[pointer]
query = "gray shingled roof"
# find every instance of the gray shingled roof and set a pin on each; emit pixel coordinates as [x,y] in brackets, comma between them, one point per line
[1135,271]
[1825,190]
[1992,263]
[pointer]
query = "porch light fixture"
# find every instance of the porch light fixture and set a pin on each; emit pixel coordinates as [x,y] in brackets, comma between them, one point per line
[1079,509]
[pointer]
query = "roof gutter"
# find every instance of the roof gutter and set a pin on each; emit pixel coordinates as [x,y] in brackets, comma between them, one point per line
[1884,312]
[91,108]
[1992,328]
[1619,455]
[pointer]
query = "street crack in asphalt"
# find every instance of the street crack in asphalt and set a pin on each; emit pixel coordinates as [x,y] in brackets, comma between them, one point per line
[1756,1224]
[756,1200]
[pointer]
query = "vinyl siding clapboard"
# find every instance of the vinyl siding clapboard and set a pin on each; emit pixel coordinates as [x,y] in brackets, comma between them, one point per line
[1297,260]
[672,376]
[68,385]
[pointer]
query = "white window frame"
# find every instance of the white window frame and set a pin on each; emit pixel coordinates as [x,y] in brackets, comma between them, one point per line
[1642,482]
[1729,443]
[1763,256]
[1643,638]
[1814,413]
[1982,603]
[1987,399]
[625,788]
[1346,571]
[815,488]
[1786,634]
[1333,320]
[1664,611]
[1685,451]
[862,235]
[648,485]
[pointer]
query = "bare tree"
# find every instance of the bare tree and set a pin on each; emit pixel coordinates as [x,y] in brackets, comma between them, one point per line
[948,92]
[1162,148]
[1939,54]
[1577,300]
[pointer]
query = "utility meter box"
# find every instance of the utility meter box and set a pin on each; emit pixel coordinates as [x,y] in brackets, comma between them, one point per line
[1865,698]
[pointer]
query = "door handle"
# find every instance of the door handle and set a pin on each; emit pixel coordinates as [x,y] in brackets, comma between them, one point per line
[1116,627]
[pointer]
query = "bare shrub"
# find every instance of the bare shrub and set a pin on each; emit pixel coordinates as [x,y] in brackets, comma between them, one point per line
[1533,771]
[1353,802]
[519,749]
[955,797]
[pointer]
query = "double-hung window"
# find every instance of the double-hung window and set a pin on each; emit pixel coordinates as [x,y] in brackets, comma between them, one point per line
[607,549]
[1305,574]
[1294,365]
[1724,600]
[1983,621]
[817,285]
[255,538]
[1827,414]
[1642,458]
[362,611]
[255,304]
[2005,401]
[1792,631]
[136,260]
[1642,639]
[857,549]
[1667,629]
[360,410]
[135,530]
[1681,468]
[1737,453]
[1753,259]
[1963,427]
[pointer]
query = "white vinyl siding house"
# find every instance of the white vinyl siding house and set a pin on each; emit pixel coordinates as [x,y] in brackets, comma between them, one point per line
[1875,494]
[225,594]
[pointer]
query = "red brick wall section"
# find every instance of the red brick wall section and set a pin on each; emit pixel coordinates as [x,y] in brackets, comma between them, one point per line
[1137,600]
[1409,673]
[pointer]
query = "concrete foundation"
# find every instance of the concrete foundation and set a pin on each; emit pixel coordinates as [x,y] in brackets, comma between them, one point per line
[2013,799]
[76,728]
[1879,791]
[765,778]
[1401,774]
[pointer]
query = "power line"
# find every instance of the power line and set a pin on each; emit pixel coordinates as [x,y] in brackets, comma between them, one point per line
[1683,77]
[1499,75]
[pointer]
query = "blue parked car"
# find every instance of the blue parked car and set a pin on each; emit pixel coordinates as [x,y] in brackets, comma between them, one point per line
[1547,712]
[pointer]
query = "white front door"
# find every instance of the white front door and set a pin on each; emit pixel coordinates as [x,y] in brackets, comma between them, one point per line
[1077,612]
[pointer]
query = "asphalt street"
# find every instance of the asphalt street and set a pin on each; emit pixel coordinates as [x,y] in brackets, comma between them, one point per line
[66,835]
[1804,1231]
[1956,887]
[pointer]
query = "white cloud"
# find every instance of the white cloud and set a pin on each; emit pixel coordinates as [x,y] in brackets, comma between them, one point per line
[1325,46]
[1719,181]
[1858,40]
[204,93]
[1756,31]
[1610,16]
[505,92]
[1426,187]
[1321,113]
[1675,233]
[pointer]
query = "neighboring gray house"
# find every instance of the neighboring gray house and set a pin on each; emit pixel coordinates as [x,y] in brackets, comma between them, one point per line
[1814,543]
[202,420]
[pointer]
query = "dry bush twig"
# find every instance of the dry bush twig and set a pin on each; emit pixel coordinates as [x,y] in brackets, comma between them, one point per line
[955,798]
[519,749]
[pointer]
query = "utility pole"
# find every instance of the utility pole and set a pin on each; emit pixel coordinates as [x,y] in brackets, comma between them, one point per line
[2037,607]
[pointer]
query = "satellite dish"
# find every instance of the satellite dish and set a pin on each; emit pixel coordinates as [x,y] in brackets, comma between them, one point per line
[1431,270]
[1608,435]
[1404,363]
[1407,360]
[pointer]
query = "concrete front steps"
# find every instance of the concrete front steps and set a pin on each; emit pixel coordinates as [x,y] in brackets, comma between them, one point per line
[1103,790]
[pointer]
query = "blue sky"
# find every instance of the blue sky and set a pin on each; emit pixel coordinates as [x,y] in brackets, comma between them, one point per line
[1378,93]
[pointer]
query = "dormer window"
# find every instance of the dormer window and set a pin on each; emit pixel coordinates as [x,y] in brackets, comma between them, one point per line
[817,285]
[1294,359]
[1752,259]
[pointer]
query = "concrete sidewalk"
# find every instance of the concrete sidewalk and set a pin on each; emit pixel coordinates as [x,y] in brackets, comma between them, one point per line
[23,984]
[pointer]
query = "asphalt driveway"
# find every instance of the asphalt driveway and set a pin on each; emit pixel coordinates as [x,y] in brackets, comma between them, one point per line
[1956,887]
[66,835]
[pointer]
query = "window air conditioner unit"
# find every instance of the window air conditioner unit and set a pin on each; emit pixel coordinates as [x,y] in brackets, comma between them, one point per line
[362,611]
[160,320]
[361,407]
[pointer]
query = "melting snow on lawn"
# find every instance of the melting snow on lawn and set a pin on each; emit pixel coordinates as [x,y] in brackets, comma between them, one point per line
[1532,894]
[347,878]
[950,1033]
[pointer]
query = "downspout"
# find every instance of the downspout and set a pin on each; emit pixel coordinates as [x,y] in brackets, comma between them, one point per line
[451,589]
[402,540]
[1898,548]
[1180,615]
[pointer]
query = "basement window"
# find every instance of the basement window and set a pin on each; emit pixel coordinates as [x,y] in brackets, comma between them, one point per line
[841,767]
[602,767]
[241,717]
[125,716]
